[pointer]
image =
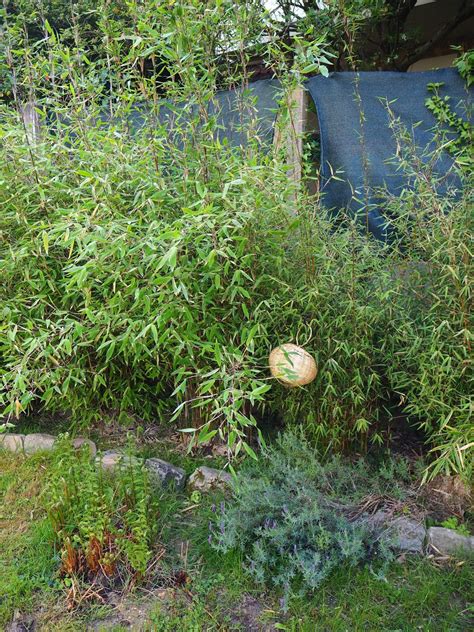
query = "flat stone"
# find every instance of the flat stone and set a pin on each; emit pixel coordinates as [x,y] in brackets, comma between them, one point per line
[37,442]
[78,442]
[113,459]
[163,474]
[448,542]
[12,442]
[205,479]
[408,535]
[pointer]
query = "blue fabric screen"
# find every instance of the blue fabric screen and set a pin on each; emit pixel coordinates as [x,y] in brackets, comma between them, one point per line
[234,111]
[364,152]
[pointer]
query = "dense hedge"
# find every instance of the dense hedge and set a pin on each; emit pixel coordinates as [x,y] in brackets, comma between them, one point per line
[144,273]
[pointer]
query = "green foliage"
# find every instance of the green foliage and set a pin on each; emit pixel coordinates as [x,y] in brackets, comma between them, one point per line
[100,524]
[184,616]
[340,314]
[148,272]
[417,594]
[457,131]
[145,272]
[290,516]
[465,65]
[453,523]
[27,560]
[431,331]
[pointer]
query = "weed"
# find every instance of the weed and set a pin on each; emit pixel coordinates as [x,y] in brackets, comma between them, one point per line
[453,523]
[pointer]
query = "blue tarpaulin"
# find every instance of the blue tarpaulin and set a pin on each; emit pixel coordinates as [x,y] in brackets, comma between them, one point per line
[362,148]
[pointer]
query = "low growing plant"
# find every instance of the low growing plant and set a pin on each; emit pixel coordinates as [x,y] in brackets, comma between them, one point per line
[453,523]
[291,516]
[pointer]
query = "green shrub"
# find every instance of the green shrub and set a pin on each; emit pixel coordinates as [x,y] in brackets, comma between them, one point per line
[145,272]
[431,331]
[290,516]
[340,306]
[142,250]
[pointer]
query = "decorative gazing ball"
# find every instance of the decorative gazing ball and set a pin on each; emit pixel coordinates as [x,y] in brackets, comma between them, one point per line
[292,365]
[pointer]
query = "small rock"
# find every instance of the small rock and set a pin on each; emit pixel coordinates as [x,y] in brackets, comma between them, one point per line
[112,459]
[408,535]
[164,474]
[38,442]
[206,478]
[12,442]
[78,442]
[448,542]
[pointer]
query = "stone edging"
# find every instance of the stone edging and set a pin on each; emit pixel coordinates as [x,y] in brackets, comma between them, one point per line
[37,442]
[161,472]
[413,537]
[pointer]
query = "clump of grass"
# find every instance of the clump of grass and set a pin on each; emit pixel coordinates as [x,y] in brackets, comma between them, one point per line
[28,561]
[415,595]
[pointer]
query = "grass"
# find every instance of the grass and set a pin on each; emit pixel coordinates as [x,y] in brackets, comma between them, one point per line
[27,561]
[415,595]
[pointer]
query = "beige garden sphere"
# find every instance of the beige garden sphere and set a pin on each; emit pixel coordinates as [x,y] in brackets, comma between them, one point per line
[292,365]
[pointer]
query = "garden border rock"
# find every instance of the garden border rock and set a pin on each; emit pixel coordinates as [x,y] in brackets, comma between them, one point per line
[443,541]
[111,460]
[165,474]
[162,473]
[12,442]
[409,534]
[38,442]
[204,479]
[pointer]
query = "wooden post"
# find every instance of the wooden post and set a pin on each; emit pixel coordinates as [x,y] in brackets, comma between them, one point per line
[297,131]
[291,138]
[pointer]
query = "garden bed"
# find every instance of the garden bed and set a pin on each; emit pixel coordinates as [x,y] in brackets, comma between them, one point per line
[200,588]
